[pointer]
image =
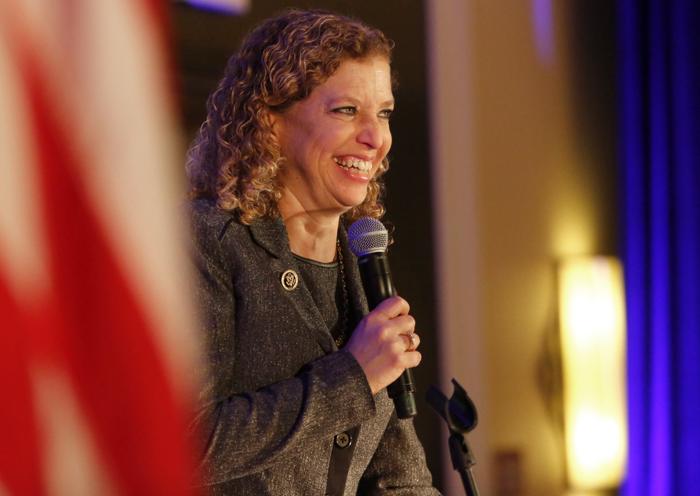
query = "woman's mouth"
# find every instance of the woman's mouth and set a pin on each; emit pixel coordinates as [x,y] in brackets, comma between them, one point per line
[354,164]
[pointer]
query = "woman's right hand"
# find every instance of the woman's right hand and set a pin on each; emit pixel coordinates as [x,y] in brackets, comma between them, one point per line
[382,343]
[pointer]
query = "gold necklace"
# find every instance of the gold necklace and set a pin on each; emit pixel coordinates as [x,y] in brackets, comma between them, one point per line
[342,336]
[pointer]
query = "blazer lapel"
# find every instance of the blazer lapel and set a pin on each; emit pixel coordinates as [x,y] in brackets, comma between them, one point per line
[358,301]
[272,236]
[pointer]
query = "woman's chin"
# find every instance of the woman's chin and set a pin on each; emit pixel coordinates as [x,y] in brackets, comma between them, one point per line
[352,193]
[351,200]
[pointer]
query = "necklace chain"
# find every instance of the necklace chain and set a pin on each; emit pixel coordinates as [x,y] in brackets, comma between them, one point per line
[344,311]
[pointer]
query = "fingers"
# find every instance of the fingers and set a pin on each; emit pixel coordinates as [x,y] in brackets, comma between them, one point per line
[412,340]
[389,330]
[384,343]
[393,324]
[413,359]
[408,356]
[392,307]
[391,317]
[405,358]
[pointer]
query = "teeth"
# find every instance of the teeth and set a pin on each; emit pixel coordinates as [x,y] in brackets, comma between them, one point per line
[352,163]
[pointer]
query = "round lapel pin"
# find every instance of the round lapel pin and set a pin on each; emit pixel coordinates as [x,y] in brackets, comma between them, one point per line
[290,280]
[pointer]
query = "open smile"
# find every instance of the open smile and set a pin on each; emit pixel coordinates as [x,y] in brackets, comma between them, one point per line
[354,164]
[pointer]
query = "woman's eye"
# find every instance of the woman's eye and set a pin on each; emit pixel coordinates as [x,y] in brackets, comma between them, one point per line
[386,113]
[345,110]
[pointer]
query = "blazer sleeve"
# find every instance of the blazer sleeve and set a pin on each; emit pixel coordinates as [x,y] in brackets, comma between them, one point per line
[398,467]
[246,432]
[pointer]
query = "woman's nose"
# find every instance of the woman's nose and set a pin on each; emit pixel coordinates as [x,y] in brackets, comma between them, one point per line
[373,133]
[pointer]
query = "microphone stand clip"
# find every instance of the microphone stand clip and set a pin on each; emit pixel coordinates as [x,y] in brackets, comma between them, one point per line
[460,414]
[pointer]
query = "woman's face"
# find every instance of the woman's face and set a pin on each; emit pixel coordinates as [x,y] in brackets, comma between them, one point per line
[334,140]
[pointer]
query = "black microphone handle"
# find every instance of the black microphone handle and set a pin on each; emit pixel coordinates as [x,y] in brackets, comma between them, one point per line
[376,279]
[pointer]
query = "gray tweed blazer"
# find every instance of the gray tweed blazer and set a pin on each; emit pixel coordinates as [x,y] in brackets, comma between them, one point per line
[278,392]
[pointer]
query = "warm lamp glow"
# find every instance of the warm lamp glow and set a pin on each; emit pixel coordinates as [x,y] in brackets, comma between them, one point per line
[593,351]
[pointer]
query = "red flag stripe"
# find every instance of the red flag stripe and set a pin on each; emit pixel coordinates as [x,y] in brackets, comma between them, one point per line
[18,429]
[97,330]
[21,468]
[106,343]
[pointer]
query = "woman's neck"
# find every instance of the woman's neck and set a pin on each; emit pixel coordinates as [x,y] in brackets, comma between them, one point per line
[311,235]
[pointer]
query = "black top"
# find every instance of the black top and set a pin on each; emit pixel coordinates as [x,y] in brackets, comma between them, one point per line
[324,284]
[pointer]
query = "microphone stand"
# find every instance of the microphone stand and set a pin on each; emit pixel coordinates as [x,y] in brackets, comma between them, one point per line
[460,414]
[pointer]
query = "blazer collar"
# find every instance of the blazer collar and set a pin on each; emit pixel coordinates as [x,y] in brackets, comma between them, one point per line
[271,235]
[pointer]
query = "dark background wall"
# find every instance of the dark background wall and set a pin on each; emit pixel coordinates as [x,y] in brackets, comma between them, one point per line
[593,76]
[203,43]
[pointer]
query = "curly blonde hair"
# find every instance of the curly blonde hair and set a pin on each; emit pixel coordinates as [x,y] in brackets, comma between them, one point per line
[235,157]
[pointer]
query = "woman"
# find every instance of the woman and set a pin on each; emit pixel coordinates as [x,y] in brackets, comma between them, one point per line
[294,145]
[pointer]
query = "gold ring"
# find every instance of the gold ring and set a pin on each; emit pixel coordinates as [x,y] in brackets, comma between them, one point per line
[411,342]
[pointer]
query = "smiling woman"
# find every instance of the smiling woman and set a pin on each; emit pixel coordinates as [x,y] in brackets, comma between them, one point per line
[333,144]
[294,146]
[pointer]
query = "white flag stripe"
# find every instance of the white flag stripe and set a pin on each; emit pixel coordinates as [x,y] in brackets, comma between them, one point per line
[133,164]
[106,68]
[22,258]
[73,465]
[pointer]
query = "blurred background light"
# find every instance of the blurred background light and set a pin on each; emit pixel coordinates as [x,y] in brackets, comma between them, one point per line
[236,7]
[592,320]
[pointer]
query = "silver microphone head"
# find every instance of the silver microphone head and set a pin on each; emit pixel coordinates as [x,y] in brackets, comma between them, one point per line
[367,235]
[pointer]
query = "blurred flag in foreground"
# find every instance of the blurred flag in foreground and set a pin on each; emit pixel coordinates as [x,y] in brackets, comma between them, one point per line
[95,327]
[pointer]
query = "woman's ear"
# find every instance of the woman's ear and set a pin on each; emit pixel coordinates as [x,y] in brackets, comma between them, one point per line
[277,122]
[274,120]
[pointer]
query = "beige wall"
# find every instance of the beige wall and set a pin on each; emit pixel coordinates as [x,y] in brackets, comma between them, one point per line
[516,187]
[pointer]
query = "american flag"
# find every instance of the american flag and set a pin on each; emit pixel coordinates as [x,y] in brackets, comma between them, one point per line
[96,328]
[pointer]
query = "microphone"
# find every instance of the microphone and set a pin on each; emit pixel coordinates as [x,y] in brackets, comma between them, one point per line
[368,240]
